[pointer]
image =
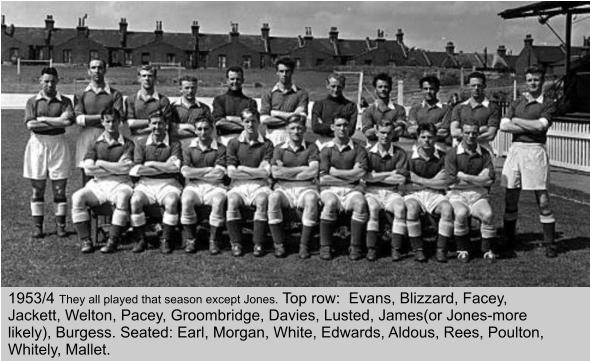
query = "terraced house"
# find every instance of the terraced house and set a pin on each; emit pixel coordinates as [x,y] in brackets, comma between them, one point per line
[195,49]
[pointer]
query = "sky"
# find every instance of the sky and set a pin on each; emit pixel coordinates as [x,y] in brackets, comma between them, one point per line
[471,26]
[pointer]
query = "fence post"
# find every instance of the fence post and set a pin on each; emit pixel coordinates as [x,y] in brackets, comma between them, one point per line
[514,90]
[18,67]
[461,81]
[51,62]
[400,92]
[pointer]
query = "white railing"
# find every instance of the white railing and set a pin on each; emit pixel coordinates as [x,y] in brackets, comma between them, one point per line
[568,144]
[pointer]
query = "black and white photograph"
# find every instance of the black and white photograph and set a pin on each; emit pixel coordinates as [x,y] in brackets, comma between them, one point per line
[295,144]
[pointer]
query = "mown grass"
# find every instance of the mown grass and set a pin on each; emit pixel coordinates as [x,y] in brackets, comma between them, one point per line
[57,262]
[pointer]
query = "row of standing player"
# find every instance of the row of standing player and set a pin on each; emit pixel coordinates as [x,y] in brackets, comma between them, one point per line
[284,96]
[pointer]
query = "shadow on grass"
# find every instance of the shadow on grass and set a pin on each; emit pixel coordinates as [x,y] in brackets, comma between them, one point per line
[574,244]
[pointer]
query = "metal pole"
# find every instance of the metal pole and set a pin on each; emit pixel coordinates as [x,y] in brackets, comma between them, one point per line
[400,92]
[514,90]
[18,66]
[568,45]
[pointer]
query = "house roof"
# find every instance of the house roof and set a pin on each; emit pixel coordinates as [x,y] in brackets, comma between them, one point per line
[441,58]
[32,36]
[350,47]
[418,57]
[282,45]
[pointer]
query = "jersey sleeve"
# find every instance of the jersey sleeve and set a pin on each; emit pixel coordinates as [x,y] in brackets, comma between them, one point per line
[252,104]
[220,159]
[367,119]
[451,163]
[456,115]
[176,151]
[232,153]
[494,118]
[303,100]
[68,109]
[186,156]
[139,154]
[128,151]
[325,161]
[79,104]
[352,117]
[268,150]
[218,108]
[401,167]
[130,106]
[413,116]
[91,152]
[118,103]
[362,157]
[30,110]
[276,155]
[316,115]
[548,110]
[314,153]
[488,164]
[265,106]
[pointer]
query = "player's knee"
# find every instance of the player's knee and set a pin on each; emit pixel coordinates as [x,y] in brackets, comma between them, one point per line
[399,209]
[171,203]
[310,201]
[187,200]
[412,210]
[274,200]
[359,204]
[487,216]
[461,212]
[233,201]
[261,201]
[78,199]
[123,198]
[218,202]
[446,211]
[136,203]
[330,203]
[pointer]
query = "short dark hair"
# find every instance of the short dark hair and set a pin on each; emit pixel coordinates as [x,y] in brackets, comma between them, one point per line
[147,68]
[235,69]
[384,77]
[288,62]
[250,111]
[111,111]
[205,120]
[535,69]
[426,127]
[190,78]
[297,118]
[477,75]
[431,79]
[156,114]
[49,70]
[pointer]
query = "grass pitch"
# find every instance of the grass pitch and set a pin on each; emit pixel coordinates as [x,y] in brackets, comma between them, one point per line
[58,262]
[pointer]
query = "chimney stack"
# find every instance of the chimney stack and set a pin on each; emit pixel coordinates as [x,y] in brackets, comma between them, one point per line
[82,29]
[399,36]
[49,22]
[528,40]
[234,33]
[450,48]
[265,31]
[159,32]
[308,34]
[195,28]
[333,34]
[380,37]
[501,51]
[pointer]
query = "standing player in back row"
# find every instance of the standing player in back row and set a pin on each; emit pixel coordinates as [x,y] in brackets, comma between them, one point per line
[431,110]
[187,111]
[527,163]
[88,107]
[383,108]
[227,107]
[334,105]
[478,110]
[47,154]
[284,100]
[145,102]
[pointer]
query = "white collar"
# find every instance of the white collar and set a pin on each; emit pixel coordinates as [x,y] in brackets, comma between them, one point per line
[277,87]
[150,140]
[243,138]
[155,95]
[426,105]
[474,104]
[461,149]
[103,137]
[379,104]
[375,149]
[287,145]
[416,154]
[106,89]
[332,144]
[185,104]
[195,143]
[529,98]
[40,95]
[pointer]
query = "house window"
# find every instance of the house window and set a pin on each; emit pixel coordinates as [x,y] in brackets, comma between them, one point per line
[319,62]
[262,61]
[67,56]
[128,58]
[145,58]
[351,62]
[391,62]
[93,54]
[114,57]
[171,58]
[297,63]
[13,54]
[221,61]
[368,62]
[273,59]
[247,62]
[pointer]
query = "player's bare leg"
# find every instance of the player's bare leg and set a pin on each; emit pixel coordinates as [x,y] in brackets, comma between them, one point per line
[81,200]
[372,227]
[138,202]
[461,230]
[216,219]
[357,226]
[482,210]
[260,221]
[276,202]
[188,219]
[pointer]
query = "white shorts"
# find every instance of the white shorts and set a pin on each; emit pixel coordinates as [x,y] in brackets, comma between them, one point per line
[526,167]
[467,197]
[249,189]
[157,189]
[344,195]
[296,195]
[47,156]
[383,197]
[106,189]
[277,136]
[205,191]
[86,138]
[428,199]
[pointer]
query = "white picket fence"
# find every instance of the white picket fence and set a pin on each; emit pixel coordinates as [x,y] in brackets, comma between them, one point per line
[568,143]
